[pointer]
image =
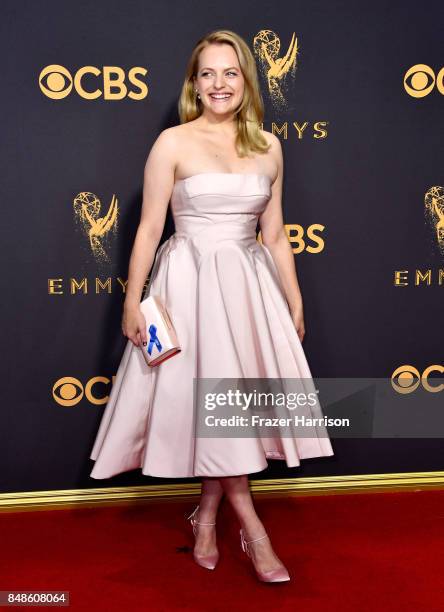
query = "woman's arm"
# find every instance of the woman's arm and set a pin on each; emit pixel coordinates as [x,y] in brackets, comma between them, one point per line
[275,238]
[157,188]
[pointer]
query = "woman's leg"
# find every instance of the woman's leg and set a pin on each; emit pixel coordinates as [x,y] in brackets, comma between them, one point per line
[211,495]
[238,492]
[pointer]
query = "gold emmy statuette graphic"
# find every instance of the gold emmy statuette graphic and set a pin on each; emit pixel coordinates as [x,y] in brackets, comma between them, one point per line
[434,210]
[86,211]
[266,45]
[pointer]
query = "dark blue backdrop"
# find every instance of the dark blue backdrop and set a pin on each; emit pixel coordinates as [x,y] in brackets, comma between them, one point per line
[364,183]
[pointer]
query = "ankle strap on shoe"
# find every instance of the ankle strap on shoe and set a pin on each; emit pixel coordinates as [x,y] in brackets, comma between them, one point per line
[194,521]
[244,542]
[256,540]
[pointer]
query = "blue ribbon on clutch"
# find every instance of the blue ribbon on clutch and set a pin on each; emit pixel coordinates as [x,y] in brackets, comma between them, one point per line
[153,339]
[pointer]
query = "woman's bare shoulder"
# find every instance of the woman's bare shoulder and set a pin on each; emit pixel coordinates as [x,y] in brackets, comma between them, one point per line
[169,142]
[272,139]
[274,153]
[175,134]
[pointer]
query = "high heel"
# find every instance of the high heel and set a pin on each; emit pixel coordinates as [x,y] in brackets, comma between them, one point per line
[279,574]
[207,561]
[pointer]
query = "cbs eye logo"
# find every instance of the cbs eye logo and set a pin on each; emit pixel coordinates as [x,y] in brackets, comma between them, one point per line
[56,82]
[407,378]
[69,391]
[419,81]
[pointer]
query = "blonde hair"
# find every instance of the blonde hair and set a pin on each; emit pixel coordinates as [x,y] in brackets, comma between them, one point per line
[250,113]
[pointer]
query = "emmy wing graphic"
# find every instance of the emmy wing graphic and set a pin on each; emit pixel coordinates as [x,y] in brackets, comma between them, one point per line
[434,209]
[267,46]
[86,210]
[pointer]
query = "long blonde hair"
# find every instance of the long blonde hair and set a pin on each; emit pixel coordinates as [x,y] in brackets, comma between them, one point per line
[250,113]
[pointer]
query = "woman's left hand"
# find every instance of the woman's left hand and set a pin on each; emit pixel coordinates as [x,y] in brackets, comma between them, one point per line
[297,315]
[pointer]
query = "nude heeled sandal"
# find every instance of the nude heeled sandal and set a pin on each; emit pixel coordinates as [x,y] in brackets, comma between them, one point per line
[276,575]
[207,561]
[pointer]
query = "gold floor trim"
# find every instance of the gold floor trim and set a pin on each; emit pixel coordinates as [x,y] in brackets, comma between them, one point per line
[318,485]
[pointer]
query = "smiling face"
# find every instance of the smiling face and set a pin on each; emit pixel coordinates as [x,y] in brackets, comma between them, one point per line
[219,80]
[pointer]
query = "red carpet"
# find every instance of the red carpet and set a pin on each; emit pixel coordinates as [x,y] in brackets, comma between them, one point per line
[344,553]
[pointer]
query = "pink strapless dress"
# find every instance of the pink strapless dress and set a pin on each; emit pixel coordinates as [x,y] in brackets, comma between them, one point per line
[223,292]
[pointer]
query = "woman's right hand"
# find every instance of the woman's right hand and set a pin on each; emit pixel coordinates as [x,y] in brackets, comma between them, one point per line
[134,324]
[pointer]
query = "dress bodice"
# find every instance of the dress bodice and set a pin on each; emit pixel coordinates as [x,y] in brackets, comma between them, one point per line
[220,202]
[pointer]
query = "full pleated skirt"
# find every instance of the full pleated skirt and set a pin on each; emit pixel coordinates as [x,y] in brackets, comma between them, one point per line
[232,321]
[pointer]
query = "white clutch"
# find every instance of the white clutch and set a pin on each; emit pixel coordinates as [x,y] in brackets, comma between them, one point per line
[161,336]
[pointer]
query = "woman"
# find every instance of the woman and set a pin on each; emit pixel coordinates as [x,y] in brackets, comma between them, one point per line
[225,293]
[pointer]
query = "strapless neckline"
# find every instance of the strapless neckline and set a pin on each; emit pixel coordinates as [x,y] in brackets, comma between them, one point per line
[222,174]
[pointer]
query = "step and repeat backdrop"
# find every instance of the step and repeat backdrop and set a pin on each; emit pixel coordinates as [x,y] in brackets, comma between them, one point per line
[355,93]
